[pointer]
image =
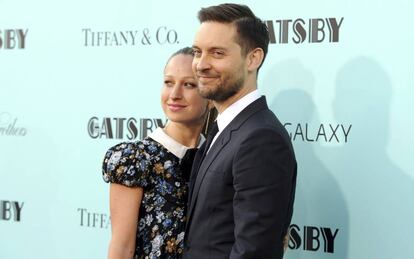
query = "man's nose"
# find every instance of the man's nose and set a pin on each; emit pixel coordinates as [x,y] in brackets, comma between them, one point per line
[202,63]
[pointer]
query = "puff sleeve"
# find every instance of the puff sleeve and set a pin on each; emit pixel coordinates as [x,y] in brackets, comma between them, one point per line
[125,164]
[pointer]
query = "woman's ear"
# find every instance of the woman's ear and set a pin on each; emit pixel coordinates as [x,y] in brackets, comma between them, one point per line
[210,104]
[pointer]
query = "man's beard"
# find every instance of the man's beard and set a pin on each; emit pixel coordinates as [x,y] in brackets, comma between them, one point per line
[224,91]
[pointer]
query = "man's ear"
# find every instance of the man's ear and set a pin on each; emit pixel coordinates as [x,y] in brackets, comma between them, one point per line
[254,59]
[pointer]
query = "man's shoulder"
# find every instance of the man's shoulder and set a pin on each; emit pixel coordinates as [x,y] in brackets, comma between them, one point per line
[263,121]
[264,118]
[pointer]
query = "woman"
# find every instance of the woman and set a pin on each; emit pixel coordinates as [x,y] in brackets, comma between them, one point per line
[148,190]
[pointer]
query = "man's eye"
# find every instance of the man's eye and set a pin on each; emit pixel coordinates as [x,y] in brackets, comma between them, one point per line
[218,53]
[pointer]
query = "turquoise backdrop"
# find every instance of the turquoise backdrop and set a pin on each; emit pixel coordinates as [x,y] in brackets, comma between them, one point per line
[77,77]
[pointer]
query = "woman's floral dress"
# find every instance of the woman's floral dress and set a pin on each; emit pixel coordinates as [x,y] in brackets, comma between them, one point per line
[161,223]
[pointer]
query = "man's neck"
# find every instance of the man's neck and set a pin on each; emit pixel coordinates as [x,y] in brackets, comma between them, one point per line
[222,106]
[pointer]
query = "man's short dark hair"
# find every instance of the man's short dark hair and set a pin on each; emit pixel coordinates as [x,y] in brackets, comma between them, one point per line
[252,32]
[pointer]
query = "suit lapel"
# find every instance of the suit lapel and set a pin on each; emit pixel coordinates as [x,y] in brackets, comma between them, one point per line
[215,149]
[194,170]
[220,143]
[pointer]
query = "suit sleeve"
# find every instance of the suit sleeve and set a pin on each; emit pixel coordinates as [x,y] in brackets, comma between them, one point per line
[264,176]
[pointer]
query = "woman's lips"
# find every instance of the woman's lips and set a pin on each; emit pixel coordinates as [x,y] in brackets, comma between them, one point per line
[176,107]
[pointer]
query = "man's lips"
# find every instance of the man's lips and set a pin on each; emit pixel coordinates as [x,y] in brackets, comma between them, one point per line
[205,78]
[206,75]
[175,107]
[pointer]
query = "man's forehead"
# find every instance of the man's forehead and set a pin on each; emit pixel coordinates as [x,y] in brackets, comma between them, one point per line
[215,34]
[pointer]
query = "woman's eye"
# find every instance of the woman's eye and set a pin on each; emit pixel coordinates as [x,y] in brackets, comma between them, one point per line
[168,83]
[196,53]
[190,85]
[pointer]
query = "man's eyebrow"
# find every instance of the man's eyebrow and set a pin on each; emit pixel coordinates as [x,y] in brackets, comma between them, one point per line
[211,48]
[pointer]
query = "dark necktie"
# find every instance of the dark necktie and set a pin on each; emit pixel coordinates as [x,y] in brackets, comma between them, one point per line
[199,157]
[187,163]
[210,137]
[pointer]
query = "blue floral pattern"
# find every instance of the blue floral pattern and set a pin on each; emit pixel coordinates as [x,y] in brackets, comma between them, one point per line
[149,165]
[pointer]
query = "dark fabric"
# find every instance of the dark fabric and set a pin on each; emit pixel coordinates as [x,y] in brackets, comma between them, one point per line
[162,214]
[200,156]
[210,137]
[187,162]
[242,192]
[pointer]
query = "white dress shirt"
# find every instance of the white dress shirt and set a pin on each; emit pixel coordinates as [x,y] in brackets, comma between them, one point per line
[224,118]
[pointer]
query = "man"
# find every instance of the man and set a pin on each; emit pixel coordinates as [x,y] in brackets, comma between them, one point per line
[243,184]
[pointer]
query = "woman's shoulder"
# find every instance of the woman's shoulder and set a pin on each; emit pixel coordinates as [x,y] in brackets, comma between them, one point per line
[128,163]
[131,150]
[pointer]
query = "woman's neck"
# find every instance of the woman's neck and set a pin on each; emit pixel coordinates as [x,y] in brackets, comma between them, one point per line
[187,135]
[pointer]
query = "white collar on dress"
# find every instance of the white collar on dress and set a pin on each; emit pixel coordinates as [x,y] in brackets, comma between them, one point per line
[171,144]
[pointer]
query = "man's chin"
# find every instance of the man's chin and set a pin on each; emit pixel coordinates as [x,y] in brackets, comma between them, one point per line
[207,95]
[204,89]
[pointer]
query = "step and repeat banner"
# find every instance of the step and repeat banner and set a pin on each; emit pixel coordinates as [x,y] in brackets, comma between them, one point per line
[77,77]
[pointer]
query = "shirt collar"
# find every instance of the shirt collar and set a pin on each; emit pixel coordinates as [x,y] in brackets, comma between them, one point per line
[171,144]
[224,118]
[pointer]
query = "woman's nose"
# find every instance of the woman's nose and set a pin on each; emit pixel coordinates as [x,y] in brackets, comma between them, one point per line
[176,91]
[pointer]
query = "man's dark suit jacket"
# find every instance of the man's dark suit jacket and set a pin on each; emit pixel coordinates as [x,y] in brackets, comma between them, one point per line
[241,198]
